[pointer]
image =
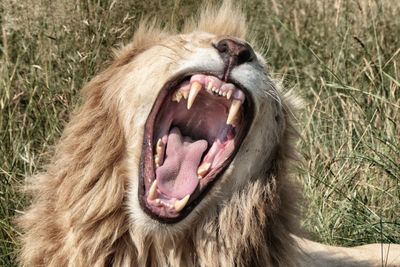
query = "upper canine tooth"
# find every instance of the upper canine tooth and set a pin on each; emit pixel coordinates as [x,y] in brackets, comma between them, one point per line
[233,111]
[153,191]
[203,169]
[180,204]
[194,90]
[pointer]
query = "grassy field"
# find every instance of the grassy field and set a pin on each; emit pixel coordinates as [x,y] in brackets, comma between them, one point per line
[341,56]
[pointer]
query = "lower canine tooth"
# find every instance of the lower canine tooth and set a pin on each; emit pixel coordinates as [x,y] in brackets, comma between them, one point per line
[233,111]
[180,204]
[194,90]
[203,169]
[153,191]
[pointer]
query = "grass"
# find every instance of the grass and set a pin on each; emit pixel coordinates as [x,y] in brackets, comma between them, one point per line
[342,57]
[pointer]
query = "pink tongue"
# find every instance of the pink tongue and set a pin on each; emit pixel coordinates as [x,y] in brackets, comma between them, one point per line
[177,177]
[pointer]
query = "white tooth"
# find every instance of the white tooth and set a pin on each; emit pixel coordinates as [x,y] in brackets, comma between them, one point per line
[224,93]
[203,169]
[185,94]
[177,97]
[194,90]
[229,94]
[233,110]
[220,92]
[160,149]
[209,86]
[180,204]
[153,191]
[160,146]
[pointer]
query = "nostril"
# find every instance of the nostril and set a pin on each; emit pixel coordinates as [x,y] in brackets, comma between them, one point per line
[238,52]
[222,46]
[244,56]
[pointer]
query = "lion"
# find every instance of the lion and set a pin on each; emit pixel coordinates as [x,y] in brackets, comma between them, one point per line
[179,156]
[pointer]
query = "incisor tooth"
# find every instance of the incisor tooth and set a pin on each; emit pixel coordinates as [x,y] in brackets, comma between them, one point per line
[229,94]
[203,169]
[153,191]
[233,111]
[209,86]
[180,204]
[194,90]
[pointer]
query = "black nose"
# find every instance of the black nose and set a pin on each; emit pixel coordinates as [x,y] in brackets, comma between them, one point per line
[234,52]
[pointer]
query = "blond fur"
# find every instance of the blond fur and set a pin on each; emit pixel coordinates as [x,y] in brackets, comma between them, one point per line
[80,215]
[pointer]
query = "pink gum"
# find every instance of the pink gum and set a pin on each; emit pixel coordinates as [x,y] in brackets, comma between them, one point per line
[204,80]
[200,78]
[239,95]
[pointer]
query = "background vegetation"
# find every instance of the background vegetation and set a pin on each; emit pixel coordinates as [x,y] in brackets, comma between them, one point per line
[341,56]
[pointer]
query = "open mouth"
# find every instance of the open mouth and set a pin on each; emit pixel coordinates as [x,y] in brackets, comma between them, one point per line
[193,132]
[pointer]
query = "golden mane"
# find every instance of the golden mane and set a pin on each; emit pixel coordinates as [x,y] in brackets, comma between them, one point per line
[219,21]
[80,213]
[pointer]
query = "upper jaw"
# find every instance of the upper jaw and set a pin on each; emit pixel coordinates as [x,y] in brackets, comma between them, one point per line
[231,91]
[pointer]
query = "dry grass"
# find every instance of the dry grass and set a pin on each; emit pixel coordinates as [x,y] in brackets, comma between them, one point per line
[341,56]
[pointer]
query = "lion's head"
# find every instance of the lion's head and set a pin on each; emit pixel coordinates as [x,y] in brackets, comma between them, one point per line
[210,117]
[177,156]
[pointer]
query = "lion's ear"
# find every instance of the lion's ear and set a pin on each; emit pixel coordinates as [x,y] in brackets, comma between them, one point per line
[226,19]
